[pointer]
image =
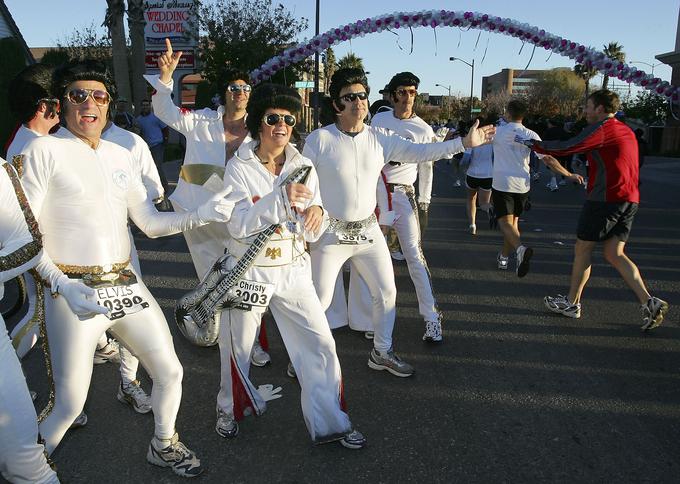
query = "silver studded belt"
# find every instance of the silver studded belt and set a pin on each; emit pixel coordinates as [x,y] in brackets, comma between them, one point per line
[336,225]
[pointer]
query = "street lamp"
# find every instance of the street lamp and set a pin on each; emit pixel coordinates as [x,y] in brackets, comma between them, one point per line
[448,101]
[472,78]
[647,64]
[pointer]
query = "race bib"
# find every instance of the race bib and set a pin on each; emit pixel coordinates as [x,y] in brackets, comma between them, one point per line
[252,294]
[119,293]
[121,300]
[347,239]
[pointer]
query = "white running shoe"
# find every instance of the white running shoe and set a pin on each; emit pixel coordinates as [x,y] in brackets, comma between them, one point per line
[473,229]
[259,357]
[653,313]
[134,395]
[290,371]
[397,255]
[433,332]
[561,305]
[175,455]
[80,421]
[353,440]
[225,426]
[503,262]
[523,257]
[108,354]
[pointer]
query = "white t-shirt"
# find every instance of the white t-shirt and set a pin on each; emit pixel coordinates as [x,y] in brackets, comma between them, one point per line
[511,159]
[481,161]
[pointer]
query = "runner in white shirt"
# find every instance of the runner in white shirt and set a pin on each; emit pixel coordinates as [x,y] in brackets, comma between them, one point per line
[280,276]
[478,179]
[512,182]
[349,157]
[396,195]
[22,457]
[212,138]
[82,190]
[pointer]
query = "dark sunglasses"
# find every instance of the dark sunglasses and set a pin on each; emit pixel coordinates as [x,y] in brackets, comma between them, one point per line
[273,119]
[79,96]
[353,96]
[239,88]
[410,92]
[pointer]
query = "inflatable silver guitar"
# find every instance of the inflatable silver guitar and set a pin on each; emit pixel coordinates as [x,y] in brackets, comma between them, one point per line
[195,312]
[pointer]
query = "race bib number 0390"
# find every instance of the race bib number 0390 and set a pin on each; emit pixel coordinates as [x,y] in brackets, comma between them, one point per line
[121,300]
[346,239]
[253,294]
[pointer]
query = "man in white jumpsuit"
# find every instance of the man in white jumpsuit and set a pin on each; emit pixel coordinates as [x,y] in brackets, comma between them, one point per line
[212,138]
[82,190]
[348,157]
[396,195]
[22,457]
[280,276]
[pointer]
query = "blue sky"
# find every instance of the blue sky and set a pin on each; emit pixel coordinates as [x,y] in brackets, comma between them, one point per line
[645,29]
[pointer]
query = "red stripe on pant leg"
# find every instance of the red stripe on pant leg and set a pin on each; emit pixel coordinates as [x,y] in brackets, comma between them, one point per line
[343,403]
[239,394]
[264,342]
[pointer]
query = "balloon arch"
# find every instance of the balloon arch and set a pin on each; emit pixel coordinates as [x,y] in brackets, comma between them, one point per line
[589,57]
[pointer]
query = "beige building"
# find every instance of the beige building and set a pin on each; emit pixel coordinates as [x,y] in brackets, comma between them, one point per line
[510,81]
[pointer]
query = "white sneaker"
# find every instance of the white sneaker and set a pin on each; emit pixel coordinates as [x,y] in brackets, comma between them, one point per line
[369,334]
[473,229]
[502,262]
[225,425]
[523,257]
[175,455]
[108,354]
[653,313]
[397,255]
[134,395]
[80,421]
[456,183]
[259,357]
[433,332]
[290,370]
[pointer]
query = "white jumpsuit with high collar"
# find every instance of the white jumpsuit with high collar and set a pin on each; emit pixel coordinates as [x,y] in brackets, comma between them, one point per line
[294,303]
[81,198]
[22,459]
[349,168]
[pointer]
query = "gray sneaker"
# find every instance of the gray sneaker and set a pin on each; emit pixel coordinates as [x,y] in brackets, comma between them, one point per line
[108,354]
[653,313]
[134,395]
[80,421]
[175,455]
[390,362]
[259,357]
[433,332]
[225,426]
[290,371]
[353,440]
[560,304]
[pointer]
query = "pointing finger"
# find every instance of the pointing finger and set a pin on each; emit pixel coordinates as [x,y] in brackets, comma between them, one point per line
[168,46]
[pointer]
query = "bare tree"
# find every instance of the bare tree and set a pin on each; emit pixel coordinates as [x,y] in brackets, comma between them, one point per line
[114,23]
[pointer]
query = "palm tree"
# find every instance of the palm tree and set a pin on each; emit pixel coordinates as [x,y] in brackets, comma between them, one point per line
[114,23]
[614,51]
[585,73]
[350,60]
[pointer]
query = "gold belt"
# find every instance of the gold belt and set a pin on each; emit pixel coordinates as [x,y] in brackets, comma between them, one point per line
[199,173]
[73,270]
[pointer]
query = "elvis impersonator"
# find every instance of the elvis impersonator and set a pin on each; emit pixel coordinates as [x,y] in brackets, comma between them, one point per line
[348,157]
[82,189]
[397,199]
[22,457]
[212,138]
[280,276]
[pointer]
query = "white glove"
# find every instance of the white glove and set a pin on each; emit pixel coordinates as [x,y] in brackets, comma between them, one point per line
[217,208]
[77,297]
[268,392]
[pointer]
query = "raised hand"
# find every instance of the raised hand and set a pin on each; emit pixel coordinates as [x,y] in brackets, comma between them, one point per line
[167,62]
[479,135]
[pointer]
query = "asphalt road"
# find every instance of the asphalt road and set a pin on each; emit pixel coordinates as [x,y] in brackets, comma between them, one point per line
[514,394]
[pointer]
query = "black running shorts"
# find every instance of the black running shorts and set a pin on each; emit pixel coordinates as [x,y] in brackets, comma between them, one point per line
[478,183]
[603,220]
[506,203]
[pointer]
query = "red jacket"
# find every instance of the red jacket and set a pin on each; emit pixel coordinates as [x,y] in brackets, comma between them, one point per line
[612,152]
